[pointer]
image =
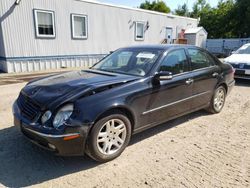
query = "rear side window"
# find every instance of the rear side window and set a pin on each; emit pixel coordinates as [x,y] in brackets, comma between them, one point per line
[211,59]
[175,62]
[199,59]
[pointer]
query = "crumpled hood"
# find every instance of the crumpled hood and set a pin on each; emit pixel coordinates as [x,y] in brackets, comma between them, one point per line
[238,58]
[62,87]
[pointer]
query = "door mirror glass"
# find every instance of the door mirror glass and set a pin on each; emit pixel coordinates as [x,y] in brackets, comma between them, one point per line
[163,75]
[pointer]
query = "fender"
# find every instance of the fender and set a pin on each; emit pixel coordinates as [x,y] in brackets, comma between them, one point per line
[91,114]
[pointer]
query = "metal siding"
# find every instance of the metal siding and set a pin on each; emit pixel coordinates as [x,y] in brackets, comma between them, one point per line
[109,28]
[2,48]
[202,37]
[191,39]
[3,65]
[28,65]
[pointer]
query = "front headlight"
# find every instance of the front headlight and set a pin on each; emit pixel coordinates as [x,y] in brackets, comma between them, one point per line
[63,115]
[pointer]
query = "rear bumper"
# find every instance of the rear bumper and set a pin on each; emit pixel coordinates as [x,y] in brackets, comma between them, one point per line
[55,143]
[230,86]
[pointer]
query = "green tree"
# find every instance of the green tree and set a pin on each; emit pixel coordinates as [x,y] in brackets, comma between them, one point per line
[200,7]
[158,6]
[182,10]
[229,19]
[218,21]
[241,17]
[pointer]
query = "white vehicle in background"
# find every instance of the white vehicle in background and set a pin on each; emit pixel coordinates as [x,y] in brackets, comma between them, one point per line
[240,60]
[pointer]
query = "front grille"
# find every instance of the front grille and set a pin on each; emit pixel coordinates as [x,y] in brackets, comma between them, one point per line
[28,108]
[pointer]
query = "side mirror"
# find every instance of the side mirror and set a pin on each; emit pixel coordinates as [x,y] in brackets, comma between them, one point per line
[163,75]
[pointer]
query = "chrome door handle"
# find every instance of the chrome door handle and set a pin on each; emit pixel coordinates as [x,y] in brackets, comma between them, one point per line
[215,74]
[189,81]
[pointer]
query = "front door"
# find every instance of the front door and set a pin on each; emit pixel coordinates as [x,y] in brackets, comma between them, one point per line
[172,97]
[169,35]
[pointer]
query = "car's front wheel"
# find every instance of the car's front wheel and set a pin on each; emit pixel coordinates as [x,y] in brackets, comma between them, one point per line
[109,137]
[218,100]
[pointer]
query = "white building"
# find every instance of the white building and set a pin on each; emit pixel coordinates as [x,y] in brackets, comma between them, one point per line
[49,34]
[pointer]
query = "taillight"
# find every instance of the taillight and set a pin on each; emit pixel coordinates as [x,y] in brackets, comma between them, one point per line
[232,71]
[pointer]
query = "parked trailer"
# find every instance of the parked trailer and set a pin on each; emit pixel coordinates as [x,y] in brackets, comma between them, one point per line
[224,47]
[40,35]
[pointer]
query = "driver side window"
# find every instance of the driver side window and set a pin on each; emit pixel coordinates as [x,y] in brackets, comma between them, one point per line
[175,62]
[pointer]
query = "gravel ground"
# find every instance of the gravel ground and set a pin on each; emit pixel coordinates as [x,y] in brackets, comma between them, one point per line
[197,150]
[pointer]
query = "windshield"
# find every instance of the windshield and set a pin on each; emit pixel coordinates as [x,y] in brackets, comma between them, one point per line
[136,62]
[244,49]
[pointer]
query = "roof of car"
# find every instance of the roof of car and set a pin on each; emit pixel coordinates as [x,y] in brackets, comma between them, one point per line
[160,46]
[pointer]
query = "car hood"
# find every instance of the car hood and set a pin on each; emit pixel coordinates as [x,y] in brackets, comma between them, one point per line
[57,89]
[238,58]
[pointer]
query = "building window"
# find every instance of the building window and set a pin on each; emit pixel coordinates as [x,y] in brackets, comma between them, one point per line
[139,30]
[79,26]
[45,24]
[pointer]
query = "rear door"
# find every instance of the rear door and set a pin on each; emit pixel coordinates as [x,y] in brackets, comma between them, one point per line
[205,74]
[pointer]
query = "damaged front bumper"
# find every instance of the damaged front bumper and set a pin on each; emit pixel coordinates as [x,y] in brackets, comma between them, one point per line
[69,142]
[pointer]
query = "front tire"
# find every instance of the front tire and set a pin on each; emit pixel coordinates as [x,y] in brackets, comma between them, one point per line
[218,100]
[109,137]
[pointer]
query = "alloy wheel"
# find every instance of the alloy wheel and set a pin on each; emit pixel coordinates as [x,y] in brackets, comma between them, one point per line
[111,136]
[219,99]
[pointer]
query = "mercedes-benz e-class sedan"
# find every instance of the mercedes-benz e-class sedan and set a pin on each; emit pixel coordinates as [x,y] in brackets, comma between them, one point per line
[96,111]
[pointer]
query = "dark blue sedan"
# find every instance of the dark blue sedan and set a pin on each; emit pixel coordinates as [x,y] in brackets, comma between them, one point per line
[96,111]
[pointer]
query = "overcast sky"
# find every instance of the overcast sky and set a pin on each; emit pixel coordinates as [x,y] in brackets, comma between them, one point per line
[173,4]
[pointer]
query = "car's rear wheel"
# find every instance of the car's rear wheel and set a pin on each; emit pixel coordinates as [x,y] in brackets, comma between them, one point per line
[218,100]
[109,137]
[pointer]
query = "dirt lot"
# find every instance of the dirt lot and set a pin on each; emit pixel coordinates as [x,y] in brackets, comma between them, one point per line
[197,150]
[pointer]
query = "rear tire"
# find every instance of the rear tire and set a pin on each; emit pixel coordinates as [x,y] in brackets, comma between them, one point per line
[218,100]
[109,137]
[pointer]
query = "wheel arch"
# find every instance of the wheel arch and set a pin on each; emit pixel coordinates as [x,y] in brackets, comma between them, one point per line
[119,109]
[223,84]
